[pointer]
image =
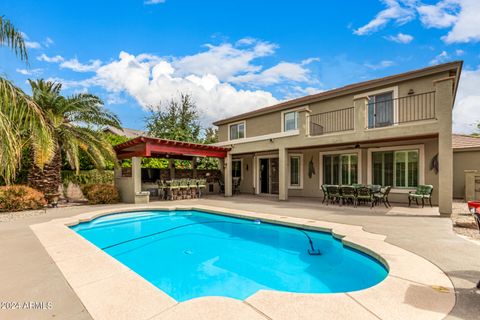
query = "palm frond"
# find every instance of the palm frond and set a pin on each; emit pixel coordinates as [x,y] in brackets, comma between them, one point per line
[13,38]
[21,118]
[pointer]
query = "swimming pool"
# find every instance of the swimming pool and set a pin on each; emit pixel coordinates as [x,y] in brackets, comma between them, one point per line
[190,254]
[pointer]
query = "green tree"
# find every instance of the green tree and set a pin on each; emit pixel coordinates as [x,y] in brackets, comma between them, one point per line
[72,120]
[211,136]
[21,120]
[178,120]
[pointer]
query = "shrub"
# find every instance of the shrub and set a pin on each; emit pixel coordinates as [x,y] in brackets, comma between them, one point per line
[19,197]
[100,193]
[87,177]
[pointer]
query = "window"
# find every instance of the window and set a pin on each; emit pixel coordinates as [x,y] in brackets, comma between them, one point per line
[237,168]
[237,131]
[380,110]
[295,171]
[290,121]
[396,168]
[340,169]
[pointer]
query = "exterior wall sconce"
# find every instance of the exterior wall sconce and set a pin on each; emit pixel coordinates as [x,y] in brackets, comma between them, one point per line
[411,91]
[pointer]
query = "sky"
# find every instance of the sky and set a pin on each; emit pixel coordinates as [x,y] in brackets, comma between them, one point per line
[239,55]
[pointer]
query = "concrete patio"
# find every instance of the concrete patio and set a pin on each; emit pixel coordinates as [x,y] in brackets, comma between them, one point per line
[29,274]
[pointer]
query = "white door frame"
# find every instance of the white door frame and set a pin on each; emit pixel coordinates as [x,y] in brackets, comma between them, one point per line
[257,172]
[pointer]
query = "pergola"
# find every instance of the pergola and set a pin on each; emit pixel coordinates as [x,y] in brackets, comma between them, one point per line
[168,149]
[130,184]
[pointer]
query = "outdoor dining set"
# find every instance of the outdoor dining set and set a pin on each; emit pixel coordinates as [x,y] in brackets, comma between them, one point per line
[178,189]
[356,194]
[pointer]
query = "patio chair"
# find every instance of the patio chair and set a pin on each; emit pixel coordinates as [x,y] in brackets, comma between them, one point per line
[184,186]
[236,186]
[348,194]
[192,185]
[221,185]
[382,196]
[333,194]
[422,192]
[201,184]
[325,192]
[171,189]
[162,189]
[364,194]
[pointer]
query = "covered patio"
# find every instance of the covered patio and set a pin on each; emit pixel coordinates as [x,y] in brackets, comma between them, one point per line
[128,180]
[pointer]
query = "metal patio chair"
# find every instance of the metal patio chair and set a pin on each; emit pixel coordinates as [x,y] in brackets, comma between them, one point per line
[422,192]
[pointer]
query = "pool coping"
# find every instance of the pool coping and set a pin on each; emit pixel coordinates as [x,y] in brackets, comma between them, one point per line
[413,289]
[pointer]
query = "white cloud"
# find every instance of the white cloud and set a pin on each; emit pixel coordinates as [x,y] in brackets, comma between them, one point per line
[153,1]
[381,65]
[400,38]
[30,72]
[75,65]
[151,84]
[459,52]
[443,14]
[54,59]
[72,64]
[30,44]
[223,79]
[284,71]
[466,113]
[48,42]
[400,12]
[440,58]
[225,60]
[466,28]
[459,15]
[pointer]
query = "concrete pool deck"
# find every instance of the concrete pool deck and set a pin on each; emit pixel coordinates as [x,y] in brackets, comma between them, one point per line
[31,275]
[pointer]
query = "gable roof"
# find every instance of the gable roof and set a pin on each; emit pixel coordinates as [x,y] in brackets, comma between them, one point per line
[126,132]
[463,141]
[351,88]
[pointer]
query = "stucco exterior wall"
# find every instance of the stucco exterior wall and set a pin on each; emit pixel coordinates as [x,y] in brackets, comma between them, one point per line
[311,185]
[271,122]
[463,160]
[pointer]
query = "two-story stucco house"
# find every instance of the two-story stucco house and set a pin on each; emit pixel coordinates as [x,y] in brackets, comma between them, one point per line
[387,131]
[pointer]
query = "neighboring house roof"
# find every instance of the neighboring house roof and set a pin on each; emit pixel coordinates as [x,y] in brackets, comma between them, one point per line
[463,141]
[455,66]
[126,132]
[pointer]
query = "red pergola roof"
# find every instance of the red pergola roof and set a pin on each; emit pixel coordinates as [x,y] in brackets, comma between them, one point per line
[163,148]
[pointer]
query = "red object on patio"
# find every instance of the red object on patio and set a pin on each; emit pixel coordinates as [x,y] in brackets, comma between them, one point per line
[474,205]
[169,149]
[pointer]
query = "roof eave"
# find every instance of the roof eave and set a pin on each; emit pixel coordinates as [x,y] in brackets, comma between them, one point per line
[454,65]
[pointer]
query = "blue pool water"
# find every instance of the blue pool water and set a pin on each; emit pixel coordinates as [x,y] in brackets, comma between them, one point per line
[190,254]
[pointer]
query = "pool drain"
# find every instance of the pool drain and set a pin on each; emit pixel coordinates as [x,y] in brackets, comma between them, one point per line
[188,251]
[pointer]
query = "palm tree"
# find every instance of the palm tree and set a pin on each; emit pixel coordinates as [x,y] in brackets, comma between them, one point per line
[72,120]
[21,121]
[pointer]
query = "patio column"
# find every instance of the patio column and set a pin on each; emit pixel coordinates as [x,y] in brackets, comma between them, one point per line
[171,166]
[194,167]
[282,174]
[228,175]
[137,174]
[360,107]
[443,108]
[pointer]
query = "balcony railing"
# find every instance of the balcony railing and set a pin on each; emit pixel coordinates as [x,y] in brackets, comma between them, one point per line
[411,108]
[332,121]
[415,107]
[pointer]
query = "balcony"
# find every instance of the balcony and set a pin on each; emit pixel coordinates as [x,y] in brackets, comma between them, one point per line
[380,113]
[332,121]
[411,108]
